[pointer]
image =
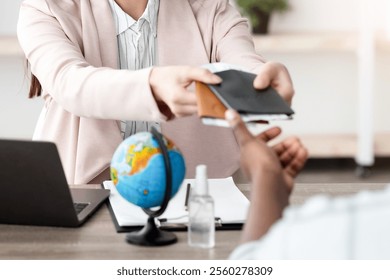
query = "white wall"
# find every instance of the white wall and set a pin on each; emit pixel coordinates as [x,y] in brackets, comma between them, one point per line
[18,114]
[9,10]
[328,15]
[317,15]
[382,93]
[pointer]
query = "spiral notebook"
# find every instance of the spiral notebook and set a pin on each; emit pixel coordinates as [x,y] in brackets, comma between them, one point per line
[128,217]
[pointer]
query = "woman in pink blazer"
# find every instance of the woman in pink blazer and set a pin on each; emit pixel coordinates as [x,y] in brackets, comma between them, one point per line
[71,46]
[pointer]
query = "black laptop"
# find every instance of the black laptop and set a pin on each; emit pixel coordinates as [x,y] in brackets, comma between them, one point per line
[34,190]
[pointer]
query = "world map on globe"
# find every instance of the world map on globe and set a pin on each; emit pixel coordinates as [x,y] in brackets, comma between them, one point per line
[138,169]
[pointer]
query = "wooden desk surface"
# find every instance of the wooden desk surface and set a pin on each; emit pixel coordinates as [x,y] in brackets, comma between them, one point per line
[97,239]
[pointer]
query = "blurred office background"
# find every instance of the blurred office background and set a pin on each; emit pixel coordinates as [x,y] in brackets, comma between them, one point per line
[328,46]
[18,114]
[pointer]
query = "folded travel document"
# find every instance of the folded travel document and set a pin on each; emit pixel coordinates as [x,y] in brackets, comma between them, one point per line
[237,92]
[230,208]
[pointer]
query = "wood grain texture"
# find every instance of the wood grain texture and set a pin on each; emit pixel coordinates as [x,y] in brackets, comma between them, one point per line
[97,239]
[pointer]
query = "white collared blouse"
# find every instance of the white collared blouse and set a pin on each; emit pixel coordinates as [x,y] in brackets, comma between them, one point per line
[137,49]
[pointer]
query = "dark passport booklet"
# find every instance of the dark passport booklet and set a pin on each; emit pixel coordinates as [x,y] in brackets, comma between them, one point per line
[237,92]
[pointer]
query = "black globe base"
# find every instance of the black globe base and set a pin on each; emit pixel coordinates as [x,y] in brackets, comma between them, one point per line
[150,235]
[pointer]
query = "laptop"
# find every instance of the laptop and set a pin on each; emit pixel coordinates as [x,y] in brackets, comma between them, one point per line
[34,190]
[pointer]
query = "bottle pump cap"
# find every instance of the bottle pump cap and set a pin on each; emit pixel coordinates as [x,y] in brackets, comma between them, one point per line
[201,183]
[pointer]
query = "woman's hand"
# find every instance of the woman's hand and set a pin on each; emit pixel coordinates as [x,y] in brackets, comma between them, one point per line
[170,86]
[275,75]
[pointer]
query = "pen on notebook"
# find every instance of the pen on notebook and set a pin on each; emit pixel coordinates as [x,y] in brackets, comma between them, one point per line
[187,196]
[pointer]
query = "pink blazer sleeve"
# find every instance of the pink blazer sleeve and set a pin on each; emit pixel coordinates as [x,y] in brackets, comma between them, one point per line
[233,39]
[79,87]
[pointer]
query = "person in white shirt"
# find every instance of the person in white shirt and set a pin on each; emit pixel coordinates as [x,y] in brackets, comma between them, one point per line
[354,227]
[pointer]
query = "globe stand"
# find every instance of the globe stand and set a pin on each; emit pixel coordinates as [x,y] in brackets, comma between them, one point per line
[150,235]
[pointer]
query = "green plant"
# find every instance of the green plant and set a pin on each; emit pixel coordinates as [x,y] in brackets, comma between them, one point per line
[252,8]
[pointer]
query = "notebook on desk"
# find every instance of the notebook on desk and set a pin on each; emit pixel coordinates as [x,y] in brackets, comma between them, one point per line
[34,190]
[230,208]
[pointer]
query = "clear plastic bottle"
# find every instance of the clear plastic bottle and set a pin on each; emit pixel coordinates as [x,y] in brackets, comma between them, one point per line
[201,228]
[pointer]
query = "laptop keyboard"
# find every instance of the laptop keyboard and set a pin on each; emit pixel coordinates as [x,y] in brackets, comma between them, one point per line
[80,207]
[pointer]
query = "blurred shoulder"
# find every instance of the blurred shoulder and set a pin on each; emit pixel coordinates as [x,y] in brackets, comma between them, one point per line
[208,5]
[49,5]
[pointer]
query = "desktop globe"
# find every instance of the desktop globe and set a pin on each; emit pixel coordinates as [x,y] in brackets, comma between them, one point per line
[147,170]
[138,170]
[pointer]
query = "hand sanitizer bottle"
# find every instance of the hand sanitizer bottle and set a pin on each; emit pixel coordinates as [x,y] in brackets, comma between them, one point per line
[201,225]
